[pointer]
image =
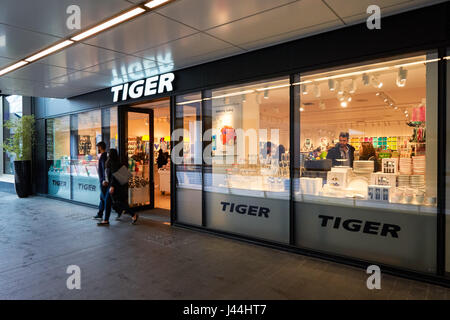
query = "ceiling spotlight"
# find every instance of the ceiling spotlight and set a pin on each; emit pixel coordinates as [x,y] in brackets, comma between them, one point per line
[377,94]
[266,94]
[395,108]
[406,111]
[344,104]
[365,79]
[302,109]
[352,86]
[317,91]
[304,89]
[331,84]
[340,87]
[376,83]
[349,98]
[401,77]
[341,98]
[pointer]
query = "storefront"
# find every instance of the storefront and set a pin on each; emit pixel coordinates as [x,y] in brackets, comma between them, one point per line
[336,152]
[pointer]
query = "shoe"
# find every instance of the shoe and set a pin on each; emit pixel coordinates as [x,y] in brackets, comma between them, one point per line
[136,217]
[103,224]
[97,216]
[119,214]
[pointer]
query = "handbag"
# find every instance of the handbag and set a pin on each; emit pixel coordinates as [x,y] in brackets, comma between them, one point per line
[122,175]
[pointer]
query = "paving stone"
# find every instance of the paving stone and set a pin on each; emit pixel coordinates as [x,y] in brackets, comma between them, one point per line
[40,237]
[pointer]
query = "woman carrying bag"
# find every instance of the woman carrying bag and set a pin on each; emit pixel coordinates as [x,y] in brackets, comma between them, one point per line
[117,189]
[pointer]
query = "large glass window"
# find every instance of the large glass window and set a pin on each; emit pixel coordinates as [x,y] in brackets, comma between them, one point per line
[247,161]
[187,157]
[12,110]
[58,157]
[366,169]
[72,154]
[85,133]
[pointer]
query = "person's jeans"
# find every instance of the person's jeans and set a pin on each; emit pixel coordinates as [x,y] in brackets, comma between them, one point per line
[101,205]
[105,203]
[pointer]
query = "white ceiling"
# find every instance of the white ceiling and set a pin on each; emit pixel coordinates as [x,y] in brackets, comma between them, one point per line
[181,34]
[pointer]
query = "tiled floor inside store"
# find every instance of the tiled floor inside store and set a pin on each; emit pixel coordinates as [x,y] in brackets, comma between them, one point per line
[40,238]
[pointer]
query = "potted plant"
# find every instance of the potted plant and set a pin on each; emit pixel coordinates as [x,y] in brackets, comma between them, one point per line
[21,145]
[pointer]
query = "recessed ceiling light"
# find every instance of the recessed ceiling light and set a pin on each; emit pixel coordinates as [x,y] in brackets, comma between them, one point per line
[155,3]
[50,50]
[108,24]
[13,67]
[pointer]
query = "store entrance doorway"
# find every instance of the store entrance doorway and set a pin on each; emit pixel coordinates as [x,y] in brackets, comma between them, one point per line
[147,139]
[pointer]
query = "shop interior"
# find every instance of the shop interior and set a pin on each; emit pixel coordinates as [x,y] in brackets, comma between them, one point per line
[384,108]
[141,142]
[250,140]
[381,108]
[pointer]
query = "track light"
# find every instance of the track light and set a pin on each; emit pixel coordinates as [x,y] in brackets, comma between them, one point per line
[340,88]
[401,77]
[344,104]
[376,83]
[331,84]
[304,89]
[266,94]
[352,86]
[243,98]
[349,98]
[365,79]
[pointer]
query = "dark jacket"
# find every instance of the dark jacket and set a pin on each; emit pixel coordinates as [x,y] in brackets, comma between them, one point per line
[335,153]
[119,190]
[101,167]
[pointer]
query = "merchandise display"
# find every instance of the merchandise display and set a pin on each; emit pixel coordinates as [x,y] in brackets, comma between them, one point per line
[389,165]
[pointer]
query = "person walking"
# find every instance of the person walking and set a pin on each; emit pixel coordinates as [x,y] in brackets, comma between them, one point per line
[116,194]
[101,150]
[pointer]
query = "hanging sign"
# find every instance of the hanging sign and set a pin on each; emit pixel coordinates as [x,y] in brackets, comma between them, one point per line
[145,87]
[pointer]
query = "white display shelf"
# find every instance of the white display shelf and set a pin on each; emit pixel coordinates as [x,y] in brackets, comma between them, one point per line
[283,195]
[247,192]
[397,207]
[356,203]
[216,189]
[190,186]
[326,200]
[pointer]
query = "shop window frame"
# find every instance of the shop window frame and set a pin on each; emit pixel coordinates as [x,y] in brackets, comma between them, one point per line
[360,60]
[71,116]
